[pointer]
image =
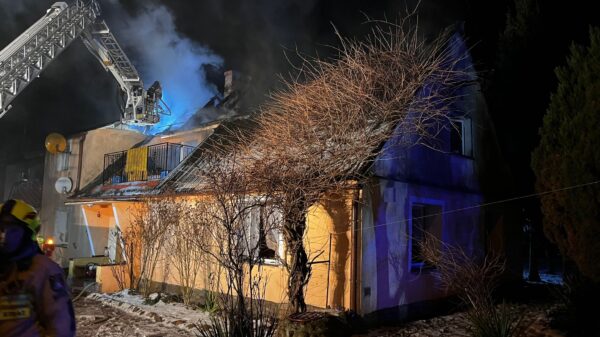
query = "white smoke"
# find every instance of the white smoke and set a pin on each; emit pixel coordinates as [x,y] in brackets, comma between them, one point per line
[160,53]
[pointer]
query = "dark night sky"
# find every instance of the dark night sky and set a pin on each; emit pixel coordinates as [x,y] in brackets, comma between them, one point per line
[75,94]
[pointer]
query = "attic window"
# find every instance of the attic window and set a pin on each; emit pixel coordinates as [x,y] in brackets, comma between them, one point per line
[460,137]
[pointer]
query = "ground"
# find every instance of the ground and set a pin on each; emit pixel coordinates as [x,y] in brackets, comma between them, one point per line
[95,318]
[122,314]
[534,322]
[126,315]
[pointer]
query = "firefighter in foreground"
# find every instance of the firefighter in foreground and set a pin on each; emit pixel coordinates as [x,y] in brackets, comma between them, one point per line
[34,299]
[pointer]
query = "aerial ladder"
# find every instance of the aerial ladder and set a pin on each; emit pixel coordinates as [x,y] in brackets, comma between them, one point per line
[29,54]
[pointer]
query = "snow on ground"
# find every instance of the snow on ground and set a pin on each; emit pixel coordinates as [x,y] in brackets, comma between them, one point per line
[122,314]
[546,277]
[160,319]
[96,319]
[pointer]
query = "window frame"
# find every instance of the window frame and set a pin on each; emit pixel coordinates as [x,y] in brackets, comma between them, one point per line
[419,266]
[466,136]
[280,253]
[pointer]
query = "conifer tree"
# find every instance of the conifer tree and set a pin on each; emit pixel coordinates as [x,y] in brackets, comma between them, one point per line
[569,155]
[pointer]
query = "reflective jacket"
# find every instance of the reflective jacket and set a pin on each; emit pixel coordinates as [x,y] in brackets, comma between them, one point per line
[35,300]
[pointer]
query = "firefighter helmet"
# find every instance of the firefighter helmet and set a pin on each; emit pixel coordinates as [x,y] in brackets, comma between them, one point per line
[23,213]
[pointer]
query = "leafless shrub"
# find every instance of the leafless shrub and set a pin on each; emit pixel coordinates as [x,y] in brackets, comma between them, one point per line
[225,216]
[473,279]
[185,255]
[123,267]
[147,234]
[328,124]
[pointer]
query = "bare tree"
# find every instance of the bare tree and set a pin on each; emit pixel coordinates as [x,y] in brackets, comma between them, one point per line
[472,278]
[321,133]
[124,266]
[234,218]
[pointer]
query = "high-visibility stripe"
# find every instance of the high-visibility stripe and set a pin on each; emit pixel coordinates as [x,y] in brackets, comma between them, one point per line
[16,313]
[15,300]
[15,307]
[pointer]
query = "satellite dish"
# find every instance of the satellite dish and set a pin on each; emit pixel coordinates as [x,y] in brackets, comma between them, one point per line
[56,143]
[63,185]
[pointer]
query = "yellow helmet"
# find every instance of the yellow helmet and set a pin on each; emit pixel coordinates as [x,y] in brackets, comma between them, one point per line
[23,213]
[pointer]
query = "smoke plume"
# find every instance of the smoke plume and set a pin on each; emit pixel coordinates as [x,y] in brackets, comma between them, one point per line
[160,53]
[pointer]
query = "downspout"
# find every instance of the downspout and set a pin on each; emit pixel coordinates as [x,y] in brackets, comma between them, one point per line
[355,253]
[80,164]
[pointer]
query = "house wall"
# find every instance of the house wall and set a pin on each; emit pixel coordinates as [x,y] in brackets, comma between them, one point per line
[99,219]
[65,223]
[331,216]
[403,176]
[387,278]
[100,142]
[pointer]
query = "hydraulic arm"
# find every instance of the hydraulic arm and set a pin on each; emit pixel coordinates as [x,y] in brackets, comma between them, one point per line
[30,53]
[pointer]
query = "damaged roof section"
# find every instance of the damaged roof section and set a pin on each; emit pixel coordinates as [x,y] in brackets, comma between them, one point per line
[228,135]
[150,165]
[137,171]
[228,104]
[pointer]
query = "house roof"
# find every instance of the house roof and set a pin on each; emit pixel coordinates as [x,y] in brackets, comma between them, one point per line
[124,191]
[184,178]
[176,179]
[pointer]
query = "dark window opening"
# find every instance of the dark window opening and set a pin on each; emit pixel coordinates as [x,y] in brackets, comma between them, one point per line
[267,244]
[264,238]
[456,137]
[426,229]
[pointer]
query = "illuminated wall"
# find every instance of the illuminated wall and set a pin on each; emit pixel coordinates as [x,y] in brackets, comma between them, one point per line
[326,287]
[445,180]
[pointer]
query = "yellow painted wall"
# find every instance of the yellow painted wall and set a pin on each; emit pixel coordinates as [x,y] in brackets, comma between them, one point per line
[100,142]
[328,217]
[99,221]
[105,279]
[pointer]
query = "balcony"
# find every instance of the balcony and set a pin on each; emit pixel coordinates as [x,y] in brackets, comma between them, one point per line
[143,163]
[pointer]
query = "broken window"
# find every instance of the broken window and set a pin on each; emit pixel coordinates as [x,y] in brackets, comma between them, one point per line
[265,240]
[425,224]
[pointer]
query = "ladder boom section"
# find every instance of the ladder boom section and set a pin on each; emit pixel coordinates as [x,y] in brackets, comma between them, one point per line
[30,53]
[104,46]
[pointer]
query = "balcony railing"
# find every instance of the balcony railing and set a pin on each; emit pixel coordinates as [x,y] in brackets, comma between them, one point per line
[142,164]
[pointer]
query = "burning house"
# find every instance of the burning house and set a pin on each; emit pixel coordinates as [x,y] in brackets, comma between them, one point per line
[367,243]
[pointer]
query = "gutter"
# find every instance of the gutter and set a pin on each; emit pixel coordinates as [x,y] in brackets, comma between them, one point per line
[98,201]
[80,164]
[355,251]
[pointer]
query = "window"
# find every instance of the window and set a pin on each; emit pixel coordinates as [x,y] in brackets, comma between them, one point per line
[265,240]
[426,222]
[460,137]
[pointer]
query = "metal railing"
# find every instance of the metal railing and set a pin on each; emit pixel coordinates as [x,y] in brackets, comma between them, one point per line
[160,160]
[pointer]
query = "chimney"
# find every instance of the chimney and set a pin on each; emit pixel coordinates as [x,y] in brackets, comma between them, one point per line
[228,86]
